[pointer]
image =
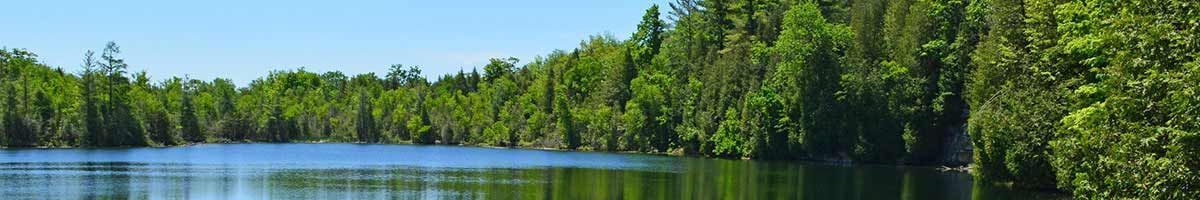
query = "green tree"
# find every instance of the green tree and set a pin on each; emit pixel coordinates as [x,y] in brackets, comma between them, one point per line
[121,126]
[365,122]
[16,66]
[1129,69]
[45,113]
[649,117]
[230,120]
[566,124]
[94,125]
[16,127]
[497,68]
[161,128]
[644,45]
[277,125]
[419,125]
[728,140]
[765,118]
[190,126]
[1014,113]
[809,78]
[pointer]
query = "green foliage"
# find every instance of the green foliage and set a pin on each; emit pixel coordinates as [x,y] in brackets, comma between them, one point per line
[764,115]
[16,127]
[1014,113]
[419,126]
[496,134]
[15,67]
[187,119]
[649,116]
[498,68]
[1130,71]
[1087,97]
[160,127]
[91,108]
[365,122]
[566,124]
[117,119]
[421,132]
[808,79]
[643,46]
[398,77]
[1012,134]
[728,141]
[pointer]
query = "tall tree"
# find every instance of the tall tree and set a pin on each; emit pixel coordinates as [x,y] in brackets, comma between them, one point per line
[277,125]
[566,124]
[45,113]
[419,125]
[365,122]
[1130,70]
[93,122]
[119,122]
[16,126]
[161,128]
[189,124]
[809,78]
[16,66]
[643,46]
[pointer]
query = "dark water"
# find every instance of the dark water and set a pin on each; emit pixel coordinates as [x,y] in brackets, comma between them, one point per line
[341,171]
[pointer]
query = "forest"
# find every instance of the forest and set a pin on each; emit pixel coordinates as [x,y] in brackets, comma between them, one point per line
[1099,99]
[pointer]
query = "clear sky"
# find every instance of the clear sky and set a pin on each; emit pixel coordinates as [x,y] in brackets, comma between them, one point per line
[243,39]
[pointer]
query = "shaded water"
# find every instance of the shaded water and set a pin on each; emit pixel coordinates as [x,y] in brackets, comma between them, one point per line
[339,171]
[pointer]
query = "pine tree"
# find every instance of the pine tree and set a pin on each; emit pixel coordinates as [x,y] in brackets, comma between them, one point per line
[45,113]
[365,122]
[566,124]
[160,128]
[93,121]
[16,127]
[642,47]
[276,124]
[187,119]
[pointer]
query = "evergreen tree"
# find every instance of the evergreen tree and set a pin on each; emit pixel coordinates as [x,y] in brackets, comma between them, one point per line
[566,124]
[161,128]
[365,122]
[277,125]
[117,117]
[419,125]
[45,114]
[642,47]
[93,121]
[190,126]
[16,127]
[809,78]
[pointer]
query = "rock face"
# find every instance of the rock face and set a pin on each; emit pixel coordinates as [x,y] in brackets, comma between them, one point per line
[957,151]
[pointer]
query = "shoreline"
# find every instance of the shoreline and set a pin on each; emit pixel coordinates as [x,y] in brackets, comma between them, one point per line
[840,162]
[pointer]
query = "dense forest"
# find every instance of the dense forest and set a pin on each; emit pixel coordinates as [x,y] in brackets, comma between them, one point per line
[1098,98]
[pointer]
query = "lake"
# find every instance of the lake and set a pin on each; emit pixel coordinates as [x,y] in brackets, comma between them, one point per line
[361,171]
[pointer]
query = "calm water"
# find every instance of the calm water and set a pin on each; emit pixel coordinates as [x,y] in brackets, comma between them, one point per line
[340,171]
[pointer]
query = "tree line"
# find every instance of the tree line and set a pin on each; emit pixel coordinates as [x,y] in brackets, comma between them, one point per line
[1093,97]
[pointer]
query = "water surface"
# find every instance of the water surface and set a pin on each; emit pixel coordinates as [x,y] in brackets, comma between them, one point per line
[340,171]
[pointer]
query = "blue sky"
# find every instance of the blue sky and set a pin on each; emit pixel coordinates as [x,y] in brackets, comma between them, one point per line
[243,40]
